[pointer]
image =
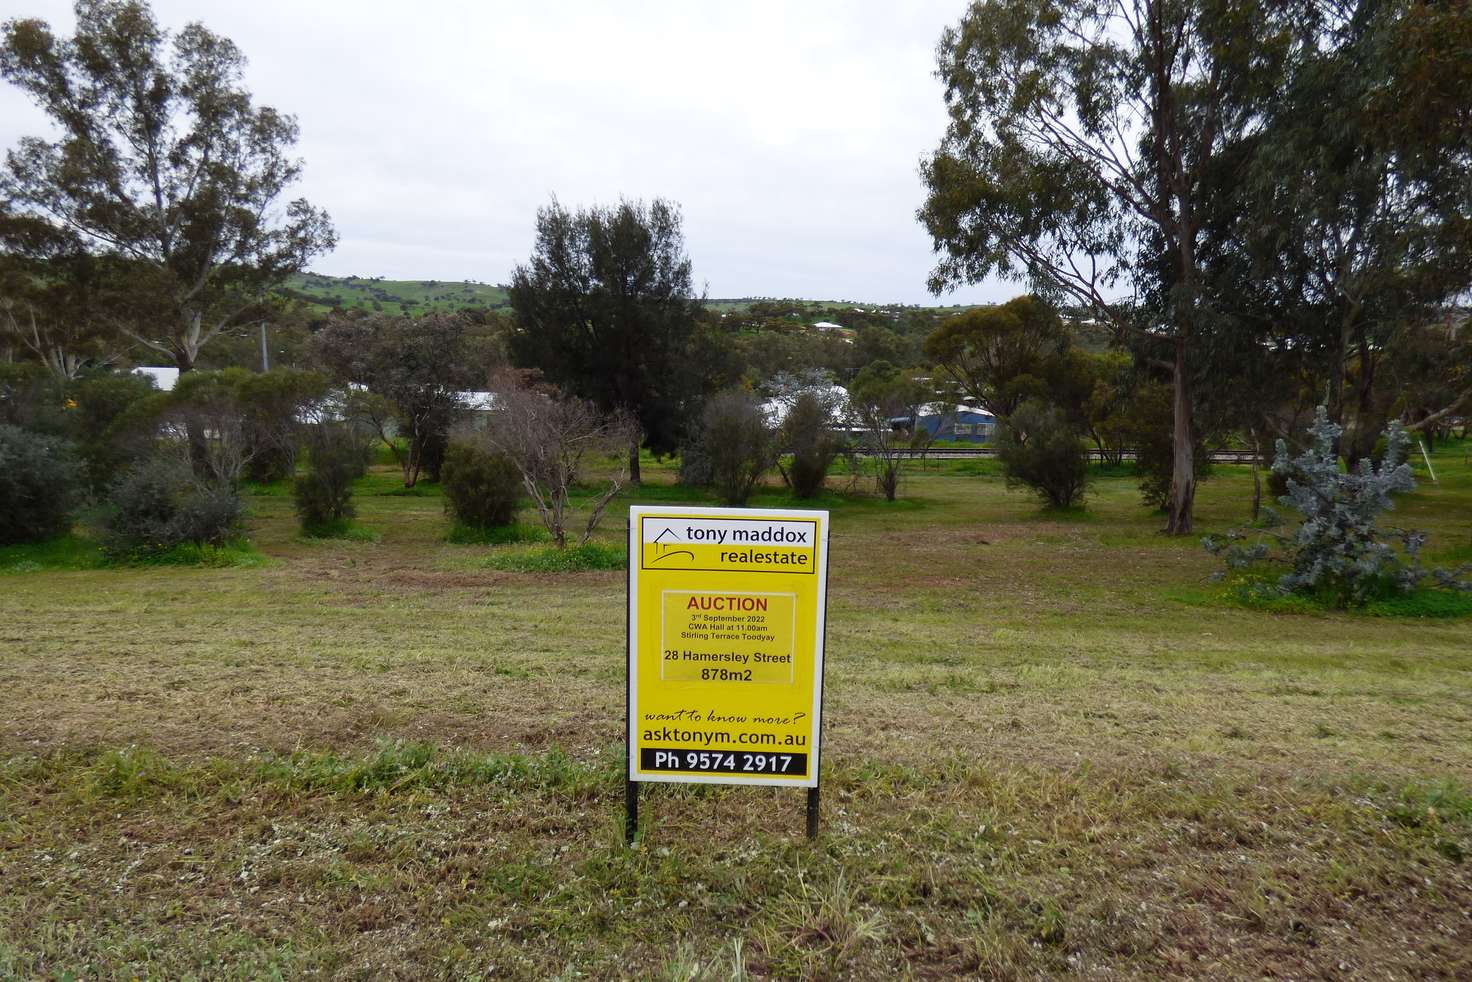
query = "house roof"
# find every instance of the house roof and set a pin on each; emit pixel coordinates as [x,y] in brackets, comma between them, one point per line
[477,400]
[949,409]
[835,395]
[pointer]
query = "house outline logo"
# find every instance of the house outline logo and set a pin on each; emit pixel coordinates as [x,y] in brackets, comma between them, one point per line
[666,550]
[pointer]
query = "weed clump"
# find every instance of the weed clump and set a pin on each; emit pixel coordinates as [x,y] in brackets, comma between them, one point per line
[574,559]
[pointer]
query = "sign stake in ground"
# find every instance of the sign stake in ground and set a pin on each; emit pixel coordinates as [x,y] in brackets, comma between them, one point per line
[726,617]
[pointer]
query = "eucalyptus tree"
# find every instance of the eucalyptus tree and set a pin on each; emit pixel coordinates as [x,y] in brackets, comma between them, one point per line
[1081,140]
[1354,208]
[161,162]
[53,297]
[1000,356]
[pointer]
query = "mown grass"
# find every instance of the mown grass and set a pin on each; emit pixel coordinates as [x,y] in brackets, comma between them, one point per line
[499,535]
[393,761]
[344,529]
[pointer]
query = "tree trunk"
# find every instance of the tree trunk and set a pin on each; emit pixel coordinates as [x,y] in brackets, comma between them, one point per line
[634,462]
[1256,474]
[1366,431]
[199,451]
[1183,472]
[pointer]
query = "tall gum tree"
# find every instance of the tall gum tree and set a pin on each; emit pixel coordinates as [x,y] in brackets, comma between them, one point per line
[162,162]
[1080,135]
[1356,226]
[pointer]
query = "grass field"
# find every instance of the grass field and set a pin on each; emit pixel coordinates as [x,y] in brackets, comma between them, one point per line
[1050,750]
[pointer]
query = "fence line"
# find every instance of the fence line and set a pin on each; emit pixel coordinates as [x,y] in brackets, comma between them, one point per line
[965,453]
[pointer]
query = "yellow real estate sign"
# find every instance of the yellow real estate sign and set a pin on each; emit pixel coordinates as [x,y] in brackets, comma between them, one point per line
[726,618]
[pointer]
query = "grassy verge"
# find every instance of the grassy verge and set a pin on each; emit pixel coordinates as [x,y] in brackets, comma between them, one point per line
[514,864]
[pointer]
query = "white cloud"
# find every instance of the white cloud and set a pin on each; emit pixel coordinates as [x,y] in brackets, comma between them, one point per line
[790,133]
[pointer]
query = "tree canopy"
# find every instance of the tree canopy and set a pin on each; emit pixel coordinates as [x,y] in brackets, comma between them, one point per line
[1000,355]
[162,163]
[1077,158]
[605,308]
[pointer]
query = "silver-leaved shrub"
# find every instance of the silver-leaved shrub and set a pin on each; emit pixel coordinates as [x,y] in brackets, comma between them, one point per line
[1338,552]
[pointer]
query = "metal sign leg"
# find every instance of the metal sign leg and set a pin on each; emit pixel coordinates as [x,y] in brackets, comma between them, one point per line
[631,810]
[812,813]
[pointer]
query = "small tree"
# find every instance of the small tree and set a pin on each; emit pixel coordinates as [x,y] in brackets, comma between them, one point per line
[1039,449]
[101,400]
[1000,355]
[482,487]
[739,442]
[412,372]
[551,438]
[336,454]
[40,483]
[273,404]
[885,401]
[807,433]
[1338,551]
[606,308]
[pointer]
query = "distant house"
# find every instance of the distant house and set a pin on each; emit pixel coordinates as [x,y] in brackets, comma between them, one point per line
[828,326]
[163,376]
[951,421]
[836,396]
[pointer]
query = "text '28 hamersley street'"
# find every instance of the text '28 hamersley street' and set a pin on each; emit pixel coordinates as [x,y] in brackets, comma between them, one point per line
[726,619]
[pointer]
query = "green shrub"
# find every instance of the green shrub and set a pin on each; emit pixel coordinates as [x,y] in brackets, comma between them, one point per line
[808,434]
[1039,449]
[336,456]
[40,481]
[158,504]
[482,488]
[95,404]
[740,444]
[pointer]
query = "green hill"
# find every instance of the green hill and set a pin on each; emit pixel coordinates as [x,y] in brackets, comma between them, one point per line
[412,297]
[416,297]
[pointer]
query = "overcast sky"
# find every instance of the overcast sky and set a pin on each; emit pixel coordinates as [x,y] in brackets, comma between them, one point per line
[790,132]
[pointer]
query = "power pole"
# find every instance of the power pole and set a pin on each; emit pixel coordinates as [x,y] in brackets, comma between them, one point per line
[265,358]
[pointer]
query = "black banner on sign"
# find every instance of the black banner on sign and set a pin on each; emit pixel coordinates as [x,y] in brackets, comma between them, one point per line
[721,761]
